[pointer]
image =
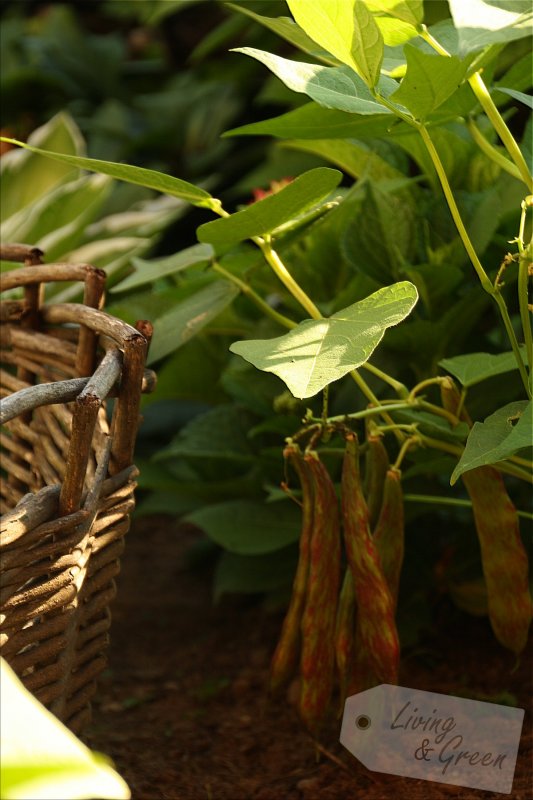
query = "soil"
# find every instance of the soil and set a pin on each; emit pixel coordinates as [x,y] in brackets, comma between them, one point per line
[183,712]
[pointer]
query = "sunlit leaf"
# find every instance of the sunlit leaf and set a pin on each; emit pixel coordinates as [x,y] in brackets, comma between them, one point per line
[480,23]
[42,759]
[332,87]
[411,11]
[318,352]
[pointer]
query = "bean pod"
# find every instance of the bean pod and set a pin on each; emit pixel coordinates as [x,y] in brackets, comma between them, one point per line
[317,663]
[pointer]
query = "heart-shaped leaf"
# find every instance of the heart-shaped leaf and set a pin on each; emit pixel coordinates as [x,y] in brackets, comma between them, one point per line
[501,435]
[318,352]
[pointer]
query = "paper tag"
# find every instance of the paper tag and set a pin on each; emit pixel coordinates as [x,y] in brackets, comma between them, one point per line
[435,737]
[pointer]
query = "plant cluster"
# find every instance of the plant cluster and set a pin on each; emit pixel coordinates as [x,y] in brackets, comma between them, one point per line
[359,304]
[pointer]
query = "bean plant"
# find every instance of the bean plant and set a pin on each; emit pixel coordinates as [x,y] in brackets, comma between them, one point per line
[414,114]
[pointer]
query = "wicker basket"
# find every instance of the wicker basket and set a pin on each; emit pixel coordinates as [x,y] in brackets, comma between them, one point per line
[67,477]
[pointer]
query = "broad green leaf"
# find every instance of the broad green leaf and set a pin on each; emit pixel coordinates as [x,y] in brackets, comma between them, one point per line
[411,11]
[125,172]
[42,759]
[273,211]
[354,158]
[526,99]
[311,121]
[318,352]
[332,87]
[288,30]
[476,367]
[367,44]
[330,23]
[150,271]
[501,435]
[480,23]
[26,178]
[381,238]
[394,33]
[249,528]
[253,574]
[219,433]
[183,322]
[429,81]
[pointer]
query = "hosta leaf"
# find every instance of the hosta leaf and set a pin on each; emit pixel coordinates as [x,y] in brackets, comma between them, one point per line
[183,322]
[141,176]
[249,528]
[429,81]
[318,352]
[480,23]
[332,87]
[501,435]
[273,211]
[476,367]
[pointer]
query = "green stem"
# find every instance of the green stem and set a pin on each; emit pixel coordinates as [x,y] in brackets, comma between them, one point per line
[439,412]
[487,103]
[450,501]
[366,412]
[446,188]
[423,385]
[512,338]
[492,152]
[247,290]
[469,247]
[524,264]
[286,278]
[400,389]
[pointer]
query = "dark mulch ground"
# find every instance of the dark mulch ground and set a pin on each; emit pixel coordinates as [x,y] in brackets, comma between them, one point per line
[182,709]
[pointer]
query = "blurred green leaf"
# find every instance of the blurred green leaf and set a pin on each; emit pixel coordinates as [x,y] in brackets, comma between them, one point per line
[125,172]
[184,321]
[249,574]
[480,23]
[249,528]
[526,99]
[318,352]
[501,435]
[476,367]
[311,121]
[219,433]
[264,216]
[42,759]
[150,271]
